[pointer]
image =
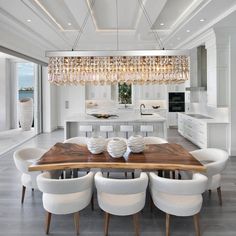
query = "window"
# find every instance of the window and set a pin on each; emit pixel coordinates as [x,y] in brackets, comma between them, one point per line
[125,93]
[26,81]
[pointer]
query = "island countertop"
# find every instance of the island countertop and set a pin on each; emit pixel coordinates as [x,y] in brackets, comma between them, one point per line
[120,117]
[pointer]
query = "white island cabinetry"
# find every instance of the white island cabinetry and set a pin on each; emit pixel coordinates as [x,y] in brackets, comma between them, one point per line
[205,133]
[156,122]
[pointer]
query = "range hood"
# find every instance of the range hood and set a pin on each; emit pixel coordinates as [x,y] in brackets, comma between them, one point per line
[198,69]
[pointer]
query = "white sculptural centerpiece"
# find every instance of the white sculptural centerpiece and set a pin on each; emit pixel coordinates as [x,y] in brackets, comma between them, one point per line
[136,143]
[96,144]
[116,147]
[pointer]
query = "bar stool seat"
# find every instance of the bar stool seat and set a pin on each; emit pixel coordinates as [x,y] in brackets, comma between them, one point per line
[106,129]
[146,129]
[86,129]
[126,129]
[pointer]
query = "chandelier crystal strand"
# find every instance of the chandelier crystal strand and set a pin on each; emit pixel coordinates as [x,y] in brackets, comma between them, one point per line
[122,69]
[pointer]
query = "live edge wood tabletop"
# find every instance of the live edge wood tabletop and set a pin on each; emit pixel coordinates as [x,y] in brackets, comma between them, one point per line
[168,156]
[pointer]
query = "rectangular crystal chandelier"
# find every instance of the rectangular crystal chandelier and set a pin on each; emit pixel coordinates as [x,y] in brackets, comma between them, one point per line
[111,67]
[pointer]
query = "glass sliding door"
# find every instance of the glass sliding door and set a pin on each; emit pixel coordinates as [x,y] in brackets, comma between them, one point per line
[28,77]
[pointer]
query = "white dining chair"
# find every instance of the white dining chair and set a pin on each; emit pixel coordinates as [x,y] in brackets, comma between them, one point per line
[154,140]
[23,158]
[65,196]
[215,161]
[178,197]
[78,140]
[121,197]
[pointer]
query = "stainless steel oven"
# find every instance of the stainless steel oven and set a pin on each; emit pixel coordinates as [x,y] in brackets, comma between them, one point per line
[177,102]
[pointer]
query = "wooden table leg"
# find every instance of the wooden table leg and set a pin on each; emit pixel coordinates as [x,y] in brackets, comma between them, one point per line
[23,194]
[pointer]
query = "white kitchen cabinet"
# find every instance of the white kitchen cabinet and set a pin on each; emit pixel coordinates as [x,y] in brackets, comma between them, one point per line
[99,92]
[152,92]
[172,118]
[203,133]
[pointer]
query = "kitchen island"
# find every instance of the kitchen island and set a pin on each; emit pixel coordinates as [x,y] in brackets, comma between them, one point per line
[153,121]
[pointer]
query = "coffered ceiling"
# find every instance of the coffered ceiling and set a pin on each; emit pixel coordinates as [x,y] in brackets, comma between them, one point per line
[55,24]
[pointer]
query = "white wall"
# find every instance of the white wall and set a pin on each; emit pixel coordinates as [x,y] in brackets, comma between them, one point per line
[5,123]
[49,100]
[232,94]
[70,100]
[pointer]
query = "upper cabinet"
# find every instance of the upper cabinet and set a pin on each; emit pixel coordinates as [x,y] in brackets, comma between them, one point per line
[98,92]
[151,92]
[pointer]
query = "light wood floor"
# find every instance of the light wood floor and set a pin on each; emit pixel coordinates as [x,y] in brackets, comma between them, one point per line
[28,220]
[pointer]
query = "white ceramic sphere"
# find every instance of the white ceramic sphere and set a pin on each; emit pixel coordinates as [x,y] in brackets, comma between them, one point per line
[96,145]
[116,147]
[136,143]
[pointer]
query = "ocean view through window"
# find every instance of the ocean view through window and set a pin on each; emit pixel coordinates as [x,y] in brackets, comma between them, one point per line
[25,72]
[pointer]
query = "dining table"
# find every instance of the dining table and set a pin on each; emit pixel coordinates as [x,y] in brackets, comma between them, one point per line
[167,156]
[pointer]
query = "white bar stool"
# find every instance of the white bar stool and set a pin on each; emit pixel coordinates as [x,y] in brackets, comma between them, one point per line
[106,128]
[146,129]
[126,129]
[86,129]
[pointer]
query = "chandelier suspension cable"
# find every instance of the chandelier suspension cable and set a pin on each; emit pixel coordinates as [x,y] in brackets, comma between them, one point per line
[157,38]
[117,26]
[83,25]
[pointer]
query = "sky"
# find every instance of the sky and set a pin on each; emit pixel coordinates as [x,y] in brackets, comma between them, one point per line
[25,73]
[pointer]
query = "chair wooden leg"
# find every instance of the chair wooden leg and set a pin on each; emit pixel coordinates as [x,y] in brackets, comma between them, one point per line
[219,196]
[92,202]
[167,224]
[151,202]
[47,222]
[136,224]
[76,221]
[23,194]
[133,175]
[107,219]
[209,192]
[196,224]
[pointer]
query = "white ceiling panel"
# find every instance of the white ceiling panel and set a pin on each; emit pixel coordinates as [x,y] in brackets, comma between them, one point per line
[105,14]
[171,12]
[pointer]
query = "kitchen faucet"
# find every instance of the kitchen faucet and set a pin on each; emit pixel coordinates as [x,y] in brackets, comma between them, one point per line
[140,108]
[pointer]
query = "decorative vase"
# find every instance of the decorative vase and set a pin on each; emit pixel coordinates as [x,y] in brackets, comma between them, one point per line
[26,113]
[136,143]
[96,144]
[116,147]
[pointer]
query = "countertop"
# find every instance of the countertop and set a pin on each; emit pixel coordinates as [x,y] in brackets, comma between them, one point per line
[210,120]
[122,117]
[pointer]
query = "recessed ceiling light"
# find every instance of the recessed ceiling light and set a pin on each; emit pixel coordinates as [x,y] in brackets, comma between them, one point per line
[28,20]
[162,24]
[188,31]
[69,24]
[202,19]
